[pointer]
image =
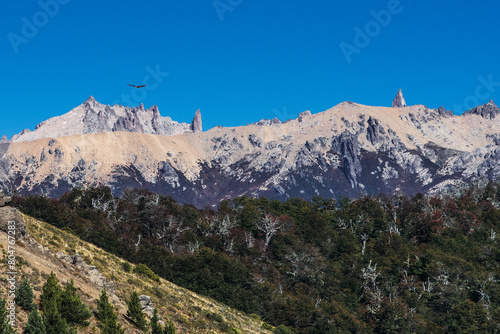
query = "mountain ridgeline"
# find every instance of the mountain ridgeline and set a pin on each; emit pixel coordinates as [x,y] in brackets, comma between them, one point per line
[349,150]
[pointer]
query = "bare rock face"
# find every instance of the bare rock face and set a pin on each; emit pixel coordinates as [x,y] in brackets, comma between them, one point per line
[303,115]
[266,121]
[196,123]
[444,113]
[4,140]
[9,216]
[147,305]
[347,146]
[399,101]
[4,200]
[16,136]
[374,131]
[489,110]
[88,271]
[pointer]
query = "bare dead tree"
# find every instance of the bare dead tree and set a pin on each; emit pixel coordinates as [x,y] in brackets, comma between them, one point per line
[493,235]
[371,288]
[138,242]
[270,226]
[249,239]
[229,245]
[169,231]
[485,300]
[193,247]
[216,226]
[364,238]
[110,208]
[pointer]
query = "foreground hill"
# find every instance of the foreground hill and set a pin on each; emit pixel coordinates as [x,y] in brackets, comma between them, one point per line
[349,150]
[42,248]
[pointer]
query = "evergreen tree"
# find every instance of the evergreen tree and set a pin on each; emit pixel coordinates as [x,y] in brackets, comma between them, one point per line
[5,327]
[155,326]
[35,324]
[112,327]
[107,316]
[134,312]
[54,322]
[71,307]
[169,328]
[51,293]
[49,305]
[104,307]
[25,295]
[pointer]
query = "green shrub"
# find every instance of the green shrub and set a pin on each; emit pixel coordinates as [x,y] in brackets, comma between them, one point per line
[142,269]
[282,329]
[126,267]
[24,296]
[215,317]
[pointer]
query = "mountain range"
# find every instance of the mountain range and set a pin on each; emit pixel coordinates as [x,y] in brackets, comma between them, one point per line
[348,150]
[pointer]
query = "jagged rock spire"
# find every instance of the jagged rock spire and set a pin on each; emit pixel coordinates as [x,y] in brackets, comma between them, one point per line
[196,123]
[399,100]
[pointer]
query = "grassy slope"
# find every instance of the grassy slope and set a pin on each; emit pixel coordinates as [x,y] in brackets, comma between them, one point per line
[191,313]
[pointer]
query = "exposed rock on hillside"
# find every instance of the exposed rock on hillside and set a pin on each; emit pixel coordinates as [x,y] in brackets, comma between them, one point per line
[489,110]
[303,114]
[444,113]
[266,121]
[147,305]
[10,217]
[90,272]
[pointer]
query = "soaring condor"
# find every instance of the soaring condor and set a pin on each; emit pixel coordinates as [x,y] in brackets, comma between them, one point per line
[136,86]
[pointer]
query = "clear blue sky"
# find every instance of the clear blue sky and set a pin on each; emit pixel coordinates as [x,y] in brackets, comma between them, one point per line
[243,60]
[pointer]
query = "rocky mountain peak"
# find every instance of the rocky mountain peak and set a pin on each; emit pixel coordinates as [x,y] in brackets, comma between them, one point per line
[94,117]
[399,100]
[4,140]
[444,113]
[303,115]
[196,125]
[488,110]
[91,102]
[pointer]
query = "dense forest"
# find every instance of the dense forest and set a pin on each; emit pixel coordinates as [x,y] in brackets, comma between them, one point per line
[377,264]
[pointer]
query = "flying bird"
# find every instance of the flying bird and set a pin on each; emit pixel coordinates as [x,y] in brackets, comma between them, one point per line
[136,86]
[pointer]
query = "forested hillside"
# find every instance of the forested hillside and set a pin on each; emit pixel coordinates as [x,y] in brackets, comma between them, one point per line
[376,264]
